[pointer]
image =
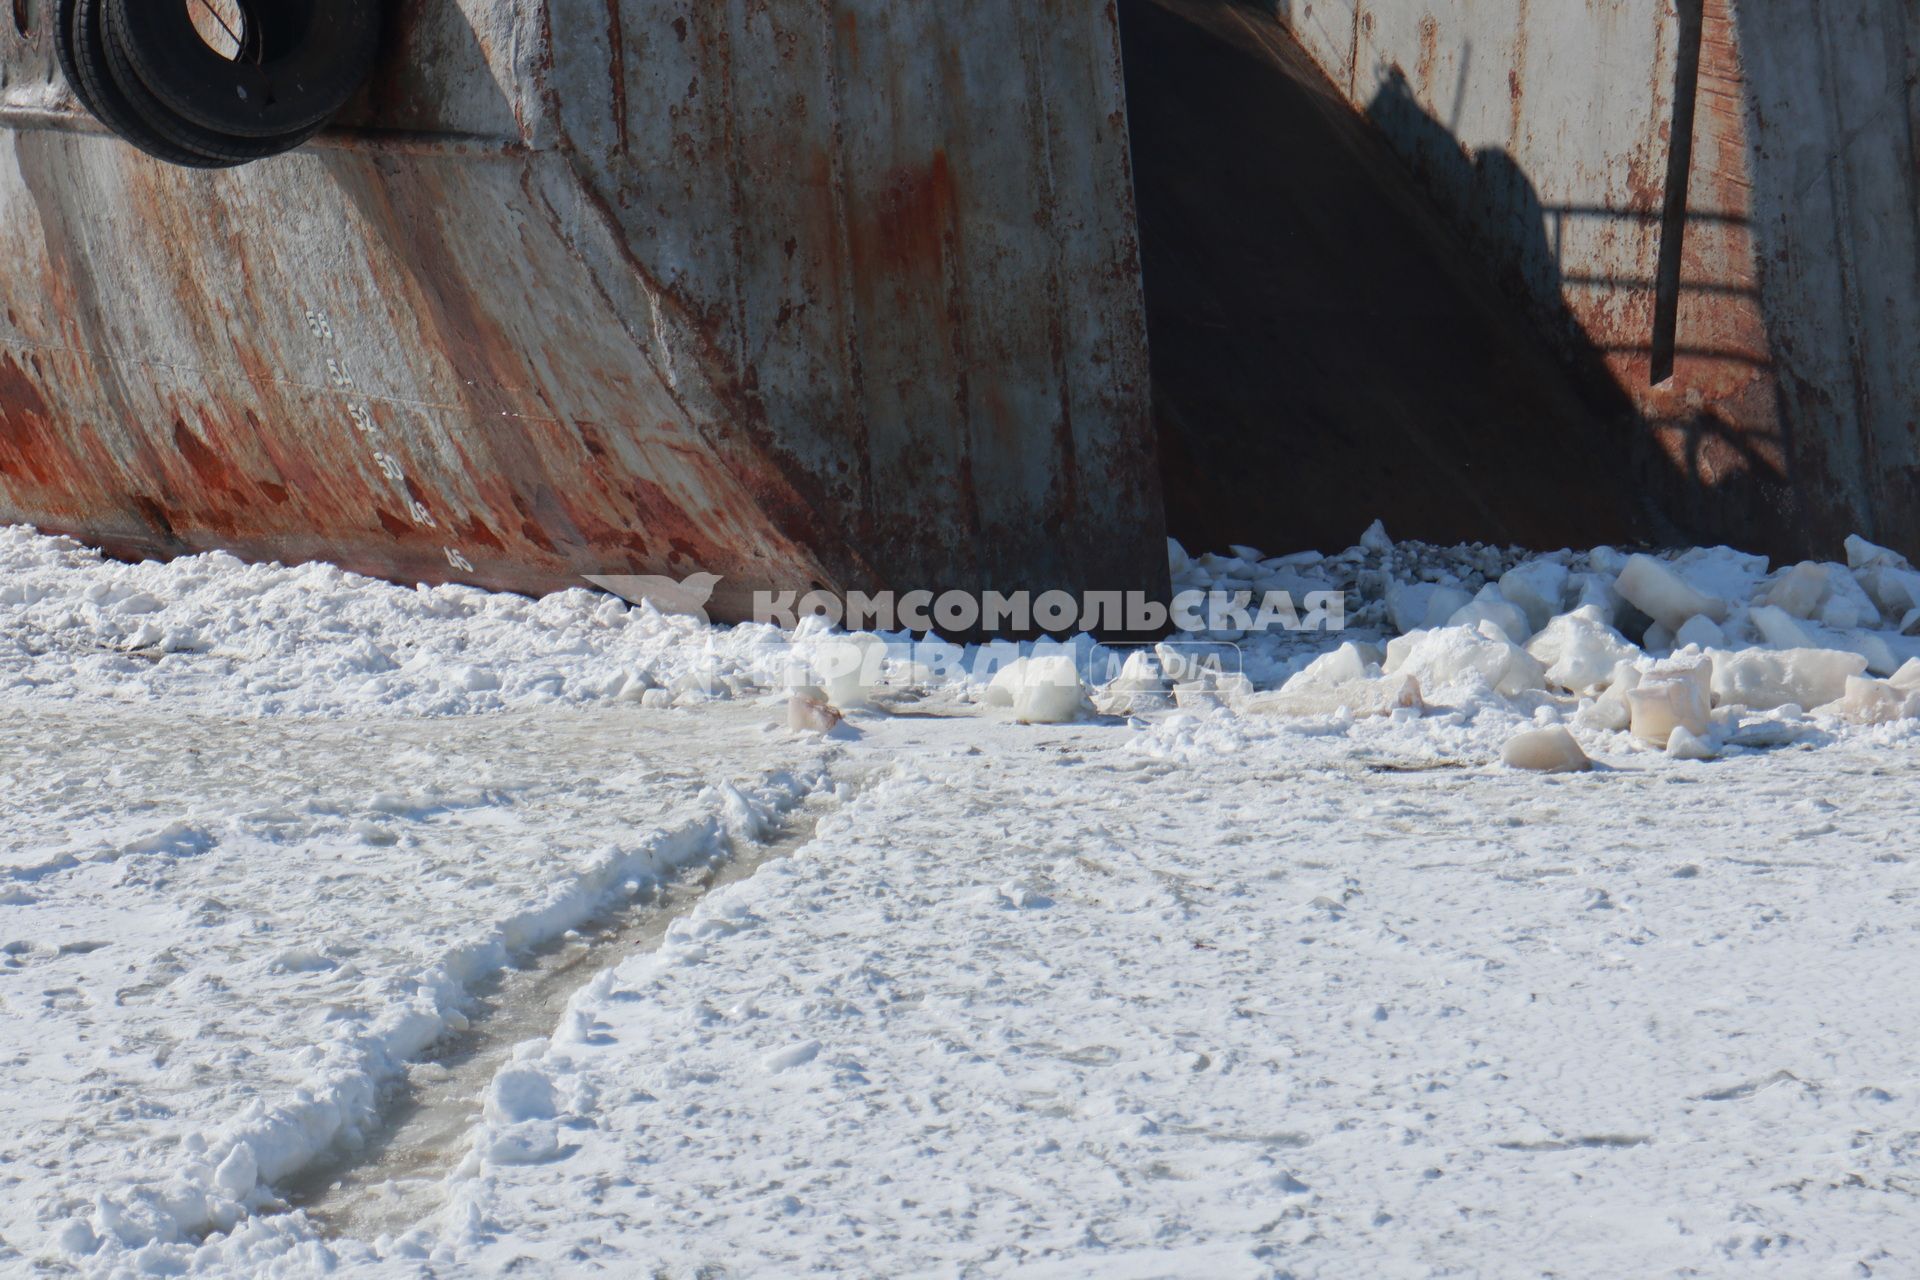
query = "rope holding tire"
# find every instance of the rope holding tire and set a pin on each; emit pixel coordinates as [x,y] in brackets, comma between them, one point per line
[143,69]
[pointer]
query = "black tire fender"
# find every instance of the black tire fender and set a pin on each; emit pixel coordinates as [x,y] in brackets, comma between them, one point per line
[301,61]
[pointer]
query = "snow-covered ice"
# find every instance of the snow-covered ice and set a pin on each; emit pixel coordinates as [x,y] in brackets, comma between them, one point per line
[1342,965]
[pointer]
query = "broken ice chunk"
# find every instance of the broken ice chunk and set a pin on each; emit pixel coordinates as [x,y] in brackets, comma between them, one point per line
[1894,588]
[1702,632]
[1684,744]
[1607,561]
[1178,561]
[1376,538]
[1422,605]
[1139,674]
[1612,711]
[1799,590]
[1656,589]
[1491,606]
[1551,750]
[1539,588]
[811,715]
[1908,676]
[1597,590]
[1447,655]
[1873,702]
[1862,554]
[1665,702]
[1358,698]
[1580,650]
[1049,691]
[1847,604]
[1884,653]
[851,669]
[1767,678]
[1698,669]
[1347,663]
[1784,630]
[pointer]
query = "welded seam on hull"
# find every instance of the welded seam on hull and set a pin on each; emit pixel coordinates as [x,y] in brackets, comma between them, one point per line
[1040,121]
[1841,190]
[843,234]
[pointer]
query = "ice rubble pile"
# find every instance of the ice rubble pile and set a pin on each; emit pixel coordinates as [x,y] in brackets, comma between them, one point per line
[1451,627]
[1670,649]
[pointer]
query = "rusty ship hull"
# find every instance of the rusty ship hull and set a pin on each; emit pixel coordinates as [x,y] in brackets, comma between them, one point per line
[860,295]
[800,295]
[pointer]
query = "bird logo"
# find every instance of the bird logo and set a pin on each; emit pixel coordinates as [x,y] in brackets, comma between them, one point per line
[684,597]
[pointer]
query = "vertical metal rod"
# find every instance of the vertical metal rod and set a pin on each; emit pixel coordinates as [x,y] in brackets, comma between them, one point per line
[1673,216]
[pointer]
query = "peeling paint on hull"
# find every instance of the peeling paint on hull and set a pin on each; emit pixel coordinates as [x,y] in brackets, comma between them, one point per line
[799,294]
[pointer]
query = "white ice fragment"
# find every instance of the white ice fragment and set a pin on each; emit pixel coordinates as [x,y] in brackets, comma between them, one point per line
[1491,606]
[1596,589]
[1702,632]
[1873,702]
[1249,554]
[1611,711]
[1656,589]
[1684,744]
[136,604]
[1382,696]
[1722,572]
[1674,698]
[1140,686]
[1580,650]
[999,690]
[634,686]
[1658,639]
[73,1236]
[533,1142]
[1908,676]
[1049,691]
[1783,630]
[1447,655]
[1539,587]
[1894,588]
[1551,750]
[1399,648]
[1446,602]
[1234,687]
[1799,590]
[237,1173]
[1847,605]
[793,1055]
[1422,605]
[1861,554]
[656,699]
[1376,538]
[475,679]
[520,1093]
[1606,561]
[1140,673]
[1349,662]
[1178,561]
[1764,679]
[1695,667]
[1884,653]
[851,670]
[1196,695]
[1227,570]
[810,715]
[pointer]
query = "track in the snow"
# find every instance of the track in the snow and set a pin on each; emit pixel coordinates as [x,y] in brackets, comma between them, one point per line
[398,1181]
